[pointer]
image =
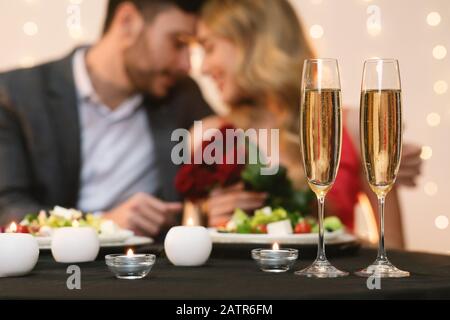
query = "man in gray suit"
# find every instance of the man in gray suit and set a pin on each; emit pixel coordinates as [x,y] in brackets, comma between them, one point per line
[93,131]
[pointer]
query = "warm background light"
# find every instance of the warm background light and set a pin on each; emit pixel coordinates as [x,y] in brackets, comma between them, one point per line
[30,28]
[427,153]
[431,188]
[316,31]
[433,19]
[440,87]
[442,222]
[439,52]
[433,119]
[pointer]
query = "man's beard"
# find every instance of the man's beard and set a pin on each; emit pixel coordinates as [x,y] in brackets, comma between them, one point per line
[147,82]
[144,81]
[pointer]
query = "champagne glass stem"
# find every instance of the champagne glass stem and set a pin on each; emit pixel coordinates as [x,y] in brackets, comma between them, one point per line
[381,248]
[321,249]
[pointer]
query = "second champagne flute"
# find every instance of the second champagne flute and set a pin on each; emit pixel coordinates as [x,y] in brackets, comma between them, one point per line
[321,139]
[381,144]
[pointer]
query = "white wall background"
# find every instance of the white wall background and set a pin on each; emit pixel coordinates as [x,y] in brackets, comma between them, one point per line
[32,31]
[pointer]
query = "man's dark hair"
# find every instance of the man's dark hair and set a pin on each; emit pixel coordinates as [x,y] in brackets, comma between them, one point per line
[152,7]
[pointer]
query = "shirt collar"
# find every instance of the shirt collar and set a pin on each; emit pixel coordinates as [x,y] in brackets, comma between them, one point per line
[83,82]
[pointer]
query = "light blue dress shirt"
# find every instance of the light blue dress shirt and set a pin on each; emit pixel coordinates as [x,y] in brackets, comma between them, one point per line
[118,151]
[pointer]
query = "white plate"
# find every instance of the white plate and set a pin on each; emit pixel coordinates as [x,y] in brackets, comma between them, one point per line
[120,236]
[310,238]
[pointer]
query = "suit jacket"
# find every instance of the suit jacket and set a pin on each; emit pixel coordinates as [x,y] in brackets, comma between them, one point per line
[40,144]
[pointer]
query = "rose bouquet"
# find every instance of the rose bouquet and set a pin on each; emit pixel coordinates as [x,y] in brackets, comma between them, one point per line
[195,181]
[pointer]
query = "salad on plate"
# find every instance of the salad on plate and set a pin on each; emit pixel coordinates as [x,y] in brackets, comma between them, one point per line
[276,221]
[43,225]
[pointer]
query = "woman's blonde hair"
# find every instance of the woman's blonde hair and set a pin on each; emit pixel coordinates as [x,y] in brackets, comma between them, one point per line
[272,44]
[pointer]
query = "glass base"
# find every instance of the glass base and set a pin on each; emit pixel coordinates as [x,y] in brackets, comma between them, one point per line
[280,270]
[382,268]
[321,269]
[132,277]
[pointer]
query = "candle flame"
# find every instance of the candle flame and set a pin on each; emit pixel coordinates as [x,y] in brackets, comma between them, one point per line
[12,228]
[75,224]
[130,253]
[276,246]
[190,222]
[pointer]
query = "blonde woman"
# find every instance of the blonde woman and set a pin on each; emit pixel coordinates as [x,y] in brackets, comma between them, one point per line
[254,52]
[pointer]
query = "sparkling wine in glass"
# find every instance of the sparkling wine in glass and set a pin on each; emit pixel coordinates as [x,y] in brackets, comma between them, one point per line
[321,138]
[381,144]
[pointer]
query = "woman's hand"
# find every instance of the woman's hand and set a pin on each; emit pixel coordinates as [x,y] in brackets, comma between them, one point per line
[410,168]
[222,202]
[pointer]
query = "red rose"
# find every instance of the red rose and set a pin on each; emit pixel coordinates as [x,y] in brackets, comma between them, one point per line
[183,181]
[195,181]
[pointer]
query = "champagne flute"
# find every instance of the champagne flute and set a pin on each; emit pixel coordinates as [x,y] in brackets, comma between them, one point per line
[321,139]
[381,145]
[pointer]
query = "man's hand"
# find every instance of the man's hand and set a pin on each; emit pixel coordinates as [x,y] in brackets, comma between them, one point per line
[410,168]
[222,203]
[144,214]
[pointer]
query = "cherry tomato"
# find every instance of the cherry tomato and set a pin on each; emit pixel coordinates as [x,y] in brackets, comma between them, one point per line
[22,229]
[222,225]
[262,228]
[303,227]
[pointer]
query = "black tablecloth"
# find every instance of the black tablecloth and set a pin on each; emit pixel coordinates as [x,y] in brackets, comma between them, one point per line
[235,279]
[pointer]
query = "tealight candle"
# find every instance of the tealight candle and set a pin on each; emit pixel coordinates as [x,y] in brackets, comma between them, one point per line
[75,244]
[130,266]
[19,253]
[188,246]
[276,260]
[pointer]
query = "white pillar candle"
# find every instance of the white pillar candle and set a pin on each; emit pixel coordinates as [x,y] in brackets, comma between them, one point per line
[19,254]
[75,245]
[188,246]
